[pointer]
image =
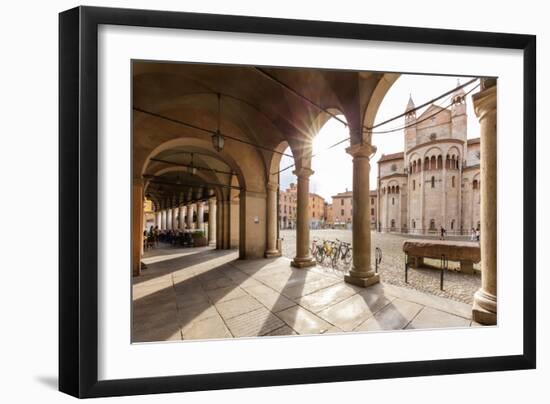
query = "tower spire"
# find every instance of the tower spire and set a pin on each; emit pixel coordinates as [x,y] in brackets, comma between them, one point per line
[410,104]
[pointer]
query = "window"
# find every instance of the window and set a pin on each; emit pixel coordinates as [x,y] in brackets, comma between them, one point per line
[393,201]
[475,184]
[432,224]
[453,181]
[342,212]
[414,185]
[452,223]
[433,182]
[393,224]
[413,224]
[372,211]
[342,202]
[372,201]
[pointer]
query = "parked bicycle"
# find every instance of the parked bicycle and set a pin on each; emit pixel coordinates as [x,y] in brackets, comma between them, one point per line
[329,249]
[317,250]
[342,254]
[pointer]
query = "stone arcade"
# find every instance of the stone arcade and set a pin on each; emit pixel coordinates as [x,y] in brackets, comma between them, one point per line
[213,134]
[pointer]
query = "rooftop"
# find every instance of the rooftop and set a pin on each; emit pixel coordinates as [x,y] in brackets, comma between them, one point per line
[392,156]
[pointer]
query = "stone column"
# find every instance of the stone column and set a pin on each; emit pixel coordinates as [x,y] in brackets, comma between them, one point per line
[157,219]
[163,220]
[200,216]
[219,224]
[190,212]
[212,213]
[181,222]
[422,186]
[175,212]
[361,273]
[444,196]
[226,236]
[387,213]
[169,219]
[458,183]
[137,225]
[271,222]
[303,257]
[485,299]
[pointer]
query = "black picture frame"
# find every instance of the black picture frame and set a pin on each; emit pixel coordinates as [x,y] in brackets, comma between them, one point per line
[78,201]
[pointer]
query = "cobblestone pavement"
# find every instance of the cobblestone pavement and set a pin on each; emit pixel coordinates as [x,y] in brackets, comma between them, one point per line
[457,286]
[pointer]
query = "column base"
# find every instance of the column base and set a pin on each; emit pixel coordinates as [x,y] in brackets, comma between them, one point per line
[484,310]
[362,281]
[303,262]
[272,254]
[212,243]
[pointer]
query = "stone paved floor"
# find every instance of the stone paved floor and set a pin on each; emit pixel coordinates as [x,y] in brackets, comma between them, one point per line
[458,286]
[202,293]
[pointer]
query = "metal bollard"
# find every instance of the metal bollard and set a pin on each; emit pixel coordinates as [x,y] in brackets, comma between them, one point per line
[444,266]
[377,259]
[406,268]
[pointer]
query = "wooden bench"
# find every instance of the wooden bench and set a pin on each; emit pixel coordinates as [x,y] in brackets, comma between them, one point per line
[465,252]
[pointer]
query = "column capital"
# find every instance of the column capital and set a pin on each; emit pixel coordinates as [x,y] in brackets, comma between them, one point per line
[272,186]
[485,102]
[365,150]
[303,172]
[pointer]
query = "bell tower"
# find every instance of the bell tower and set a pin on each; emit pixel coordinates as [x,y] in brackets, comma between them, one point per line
[458,114]
[410,125]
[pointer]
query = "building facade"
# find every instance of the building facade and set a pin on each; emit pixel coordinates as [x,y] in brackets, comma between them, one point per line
[342,209]
[288,205]
[316,211]
[340,212]
[435,182]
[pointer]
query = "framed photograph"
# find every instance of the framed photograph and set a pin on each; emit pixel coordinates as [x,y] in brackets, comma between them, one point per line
[251,202]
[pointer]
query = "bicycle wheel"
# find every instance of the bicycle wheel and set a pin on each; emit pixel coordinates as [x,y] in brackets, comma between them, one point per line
[335,257]
[319,255]
[348,257]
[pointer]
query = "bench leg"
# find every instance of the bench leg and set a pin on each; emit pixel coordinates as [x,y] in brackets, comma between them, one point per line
[467,267]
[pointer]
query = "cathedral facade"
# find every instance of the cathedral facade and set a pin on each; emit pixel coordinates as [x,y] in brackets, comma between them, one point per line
[435,181]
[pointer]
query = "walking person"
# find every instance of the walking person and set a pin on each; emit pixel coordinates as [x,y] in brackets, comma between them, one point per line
[442,231]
